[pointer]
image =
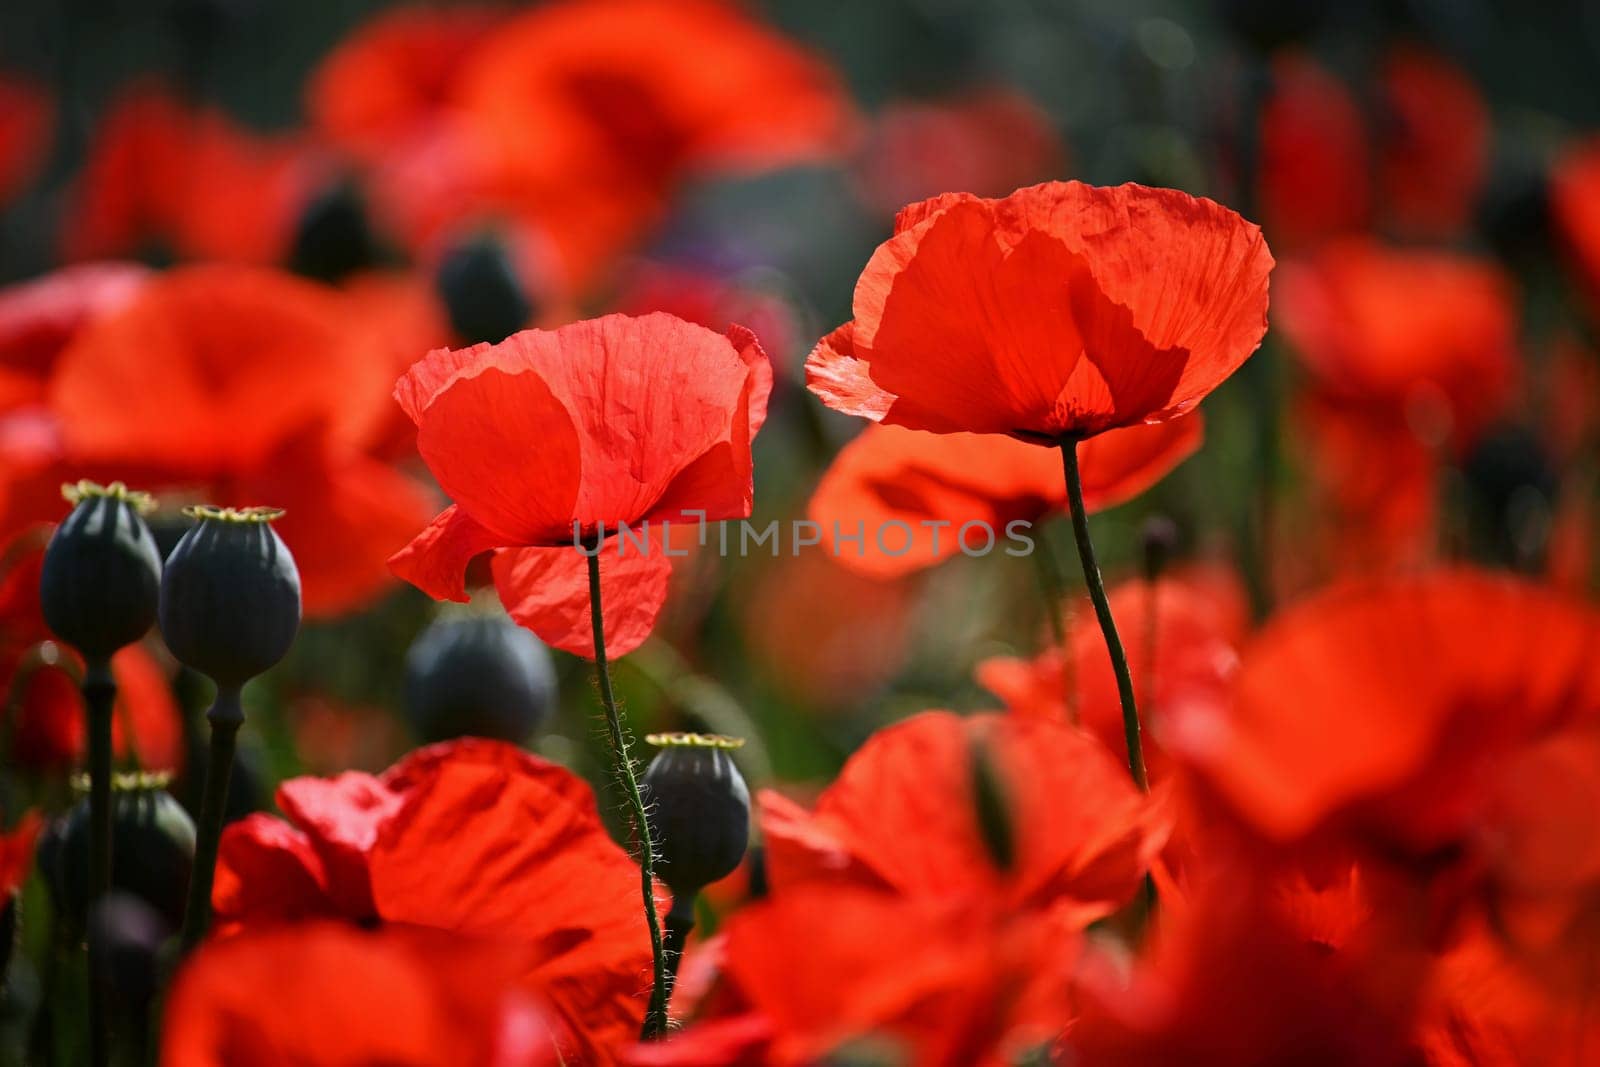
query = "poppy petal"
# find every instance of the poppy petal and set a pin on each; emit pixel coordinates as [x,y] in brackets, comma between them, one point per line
[436,559]
[268,871]
[547,590]
[341,817]
[512,849]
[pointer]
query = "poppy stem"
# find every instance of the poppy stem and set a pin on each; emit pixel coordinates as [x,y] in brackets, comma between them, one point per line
[1102,610]
[655,1017]
[225,716]
[99,697]
[1055,595]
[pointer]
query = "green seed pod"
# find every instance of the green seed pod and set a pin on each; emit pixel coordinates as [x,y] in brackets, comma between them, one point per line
[699,810]
[102,574]
[478,676]
[230,597]
[153,840]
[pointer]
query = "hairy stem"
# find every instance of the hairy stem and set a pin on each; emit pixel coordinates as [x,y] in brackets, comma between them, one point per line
[655,1018]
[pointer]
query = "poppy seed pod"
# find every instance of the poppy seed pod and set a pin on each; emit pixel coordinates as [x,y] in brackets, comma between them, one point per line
[102,574]
[479,676]
[699,810]
[153,839]
[230,597]
[483,296]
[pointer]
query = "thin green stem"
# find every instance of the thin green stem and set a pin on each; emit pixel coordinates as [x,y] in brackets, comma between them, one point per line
[655,1017]
[99,697]
[226,716]
[1055,595]
[1102,610]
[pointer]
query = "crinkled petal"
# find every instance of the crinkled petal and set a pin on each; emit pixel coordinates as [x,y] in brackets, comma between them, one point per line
[547,590]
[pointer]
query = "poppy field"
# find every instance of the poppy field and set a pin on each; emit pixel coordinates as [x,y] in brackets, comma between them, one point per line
[692,533]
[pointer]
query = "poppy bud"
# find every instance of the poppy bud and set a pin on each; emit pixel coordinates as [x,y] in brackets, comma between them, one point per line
[153,840]
[699,810]
[102,575]
[333,238]
[482,293]
[230,598]
[480,676]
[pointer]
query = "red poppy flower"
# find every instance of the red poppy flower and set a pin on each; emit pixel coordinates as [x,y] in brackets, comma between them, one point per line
[1231,983]
[239,386]
[1182,635]
[392,82]
[472,836]
[1061,311]
[1435,142]
[553,434]
[929,487]
[44,706]
[986,141]
[590,111]
[161,174]
[330,995]
[820,969]
[1417,163]
[903,816]
[1314,176]
[1412,354]
[1384,708]
[1576,206]
[27,116]
[38,318]
[708,300]
[1396,328]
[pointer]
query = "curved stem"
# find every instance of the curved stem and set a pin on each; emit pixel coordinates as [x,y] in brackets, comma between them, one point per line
[655,1017]
[99,696]
[225,716]
[1102,610]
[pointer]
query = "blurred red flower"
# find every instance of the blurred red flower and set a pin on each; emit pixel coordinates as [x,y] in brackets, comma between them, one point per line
[165,176]
[987,141]
[1412,355]
[1413,159]
[473,836]
[393,82]
[16,851]
[1575,203]
[1063,310]
[1183,632]
[576,119]
[46,729]
[27,119]
[820,970]
[236,385]
[1232,981]
[329,995]
[932,485]
[1399,712]
[903,816]
[714,302]
[553,434]
[38,318]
